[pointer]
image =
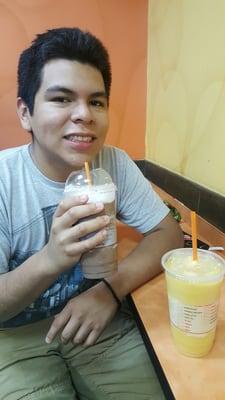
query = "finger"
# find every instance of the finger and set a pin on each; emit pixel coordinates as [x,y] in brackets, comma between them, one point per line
[82,246]
[82,334]
[86,228]
[70,330]
[92,337]
[59,322]
[74,214]
[68,202]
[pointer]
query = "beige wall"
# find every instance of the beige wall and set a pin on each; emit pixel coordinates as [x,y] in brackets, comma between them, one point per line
[186,89]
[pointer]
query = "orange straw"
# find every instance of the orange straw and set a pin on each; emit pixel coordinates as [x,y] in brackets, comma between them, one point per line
[194,235]
[87,171]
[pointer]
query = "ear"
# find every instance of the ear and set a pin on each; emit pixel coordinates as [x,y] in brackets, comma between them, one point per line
[24,114]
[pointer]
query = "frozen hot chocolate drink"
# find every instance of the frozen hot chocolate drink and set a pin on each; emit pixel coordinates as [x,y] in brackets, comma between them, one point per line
[102,260]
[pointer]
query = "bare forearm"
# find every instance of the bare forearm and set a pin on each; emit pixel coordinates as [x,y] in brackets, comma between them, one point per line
[143,263]
[20,287]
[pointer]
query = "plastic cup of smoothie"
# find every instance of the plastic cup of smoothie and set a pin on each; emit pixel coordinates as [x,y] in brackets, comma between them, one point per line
[193,289]
[102,260]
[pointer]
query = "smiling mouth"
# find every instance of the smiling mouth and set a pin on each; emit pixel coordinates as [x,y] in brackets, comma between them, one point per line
[79,138]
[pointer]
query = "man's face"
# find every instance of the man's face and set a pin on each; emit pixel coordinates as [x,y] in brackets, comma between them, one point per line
[70,117]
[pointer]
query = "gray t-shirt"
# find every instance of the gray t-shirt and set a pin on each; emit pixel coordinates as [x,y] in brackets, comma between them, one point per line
[28,200]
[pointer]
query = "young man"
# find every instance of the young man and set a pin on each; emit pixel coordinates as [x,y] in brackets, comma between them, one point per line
[58,341]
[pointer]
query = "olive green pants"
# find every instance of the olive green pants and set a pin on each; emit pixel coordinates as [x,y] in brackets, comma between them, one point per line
[117,367]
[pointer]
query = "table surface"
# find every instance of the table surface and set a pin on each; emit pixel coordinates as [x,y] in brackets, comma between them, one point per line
[188,378]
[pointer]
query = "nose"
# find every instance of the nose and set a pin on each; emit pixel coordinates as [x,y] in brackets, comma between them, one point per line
[81,112]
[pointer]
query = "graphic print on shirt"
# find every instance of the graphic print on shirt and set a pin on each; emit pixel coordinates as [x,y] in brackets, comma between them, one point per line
[57,295]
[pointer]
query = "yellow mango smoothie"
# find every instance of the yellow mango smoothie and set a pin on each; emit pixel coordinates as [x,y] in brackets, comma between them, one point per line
[193,289]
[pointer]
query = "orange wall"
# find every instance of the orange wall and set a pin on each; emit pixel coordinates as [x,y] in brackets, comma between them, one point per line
[120,24]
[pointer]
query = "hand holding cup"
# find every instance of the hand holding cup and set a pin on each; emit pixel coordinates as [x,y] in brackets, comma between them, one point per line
[69,225]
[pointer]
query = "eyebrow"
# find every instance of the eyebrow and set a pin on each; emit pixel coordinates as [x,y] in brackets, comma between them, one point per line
[65,90]
[99,94]
[58,88]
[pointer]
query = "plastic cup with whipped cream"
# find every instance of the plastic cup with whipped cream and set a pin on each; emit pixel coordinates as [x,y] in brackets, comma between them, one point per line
[193,289]
[102,260]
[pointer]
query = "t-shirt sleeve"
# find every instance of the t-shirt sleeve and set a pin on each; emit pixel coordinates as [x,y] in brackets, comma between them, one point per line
[4,239]
[139,205]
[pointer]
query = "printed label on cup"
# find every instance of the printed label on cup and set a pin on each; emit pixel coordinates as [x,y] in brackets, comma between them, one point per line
[194,320]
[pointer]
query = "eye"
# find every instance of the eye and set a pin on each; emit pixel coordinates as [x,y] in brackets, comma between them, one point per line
[60,99]
[98,103]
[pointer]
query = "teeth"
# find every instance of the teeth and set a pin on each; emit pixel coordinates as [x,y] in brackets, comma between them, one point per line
[75,138]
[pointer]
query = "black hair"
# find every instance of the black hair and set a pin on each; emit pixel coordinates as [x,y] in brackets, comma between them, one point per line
[67,43]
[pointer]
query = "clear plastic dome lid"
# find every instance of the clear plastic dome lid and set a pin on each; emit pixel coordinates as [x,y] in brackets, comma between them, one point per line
[101,185]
